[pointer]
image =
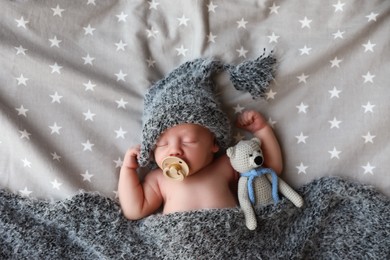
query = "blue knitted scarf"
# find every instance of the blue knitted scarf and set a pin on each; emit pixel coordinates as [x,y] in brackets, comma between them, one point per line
[258,172]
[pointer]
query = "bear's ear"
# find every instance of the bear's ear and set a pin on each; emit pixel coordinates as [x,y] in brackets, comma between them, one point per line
[230,152]
[256,140]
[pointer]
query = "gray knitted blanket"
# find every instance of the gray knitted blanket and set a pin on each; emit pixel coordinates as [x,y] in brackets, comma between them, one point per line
[340,220]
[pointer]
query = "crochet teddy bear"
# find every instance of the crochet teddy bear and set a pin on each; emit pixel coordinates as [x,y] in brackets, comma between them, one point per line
[257,185]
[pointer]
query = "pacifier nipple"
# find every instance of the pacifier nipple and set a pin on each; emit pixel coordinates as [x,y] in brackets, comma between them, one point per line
[175,168]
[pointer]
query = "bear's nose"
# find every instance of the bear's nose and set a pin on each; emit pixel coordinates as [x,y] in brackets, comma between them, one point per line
[258,160]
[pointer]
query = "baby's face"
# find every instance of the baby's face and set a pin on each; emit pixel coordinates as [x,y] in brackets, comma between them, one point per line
[192,143]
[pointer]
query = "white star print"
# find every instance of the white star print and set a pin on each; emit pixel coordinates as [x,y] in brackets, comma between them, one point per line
[270,94]
[238,109]
[26,163]
[302,78]
[89,86]
[368,46]
[120,133]
[87,146]
[301,168]
[211,37]
[21,22]
[335,62]
[273,38]
[305,50]
[302,108]
[25,192]
[338,34]
[86,176]
[368,138]
[55,156]
[274,8]
[153,4]
[55,42]
[211,7]
[121,17]
[20,50]
[56,98]
[183,20]
[334,92]
[150,62]
[151,33]
[91,2]
[368,107]
[271,122]
[181,51]
[22,80]
[241,24]
[121,103]
[372,16]
[88,59]
[368,77]
[120,76]
[368,168]
[24,134]
[118,163]
[301,138]
[334,153]
[56,184]
[242,52]
[57,11]
[339,6]
[89,115]
[88,30]
[305,22]
[334,123]
[55,68]
[22,111]
[55,128]
[120,46]
[238,137]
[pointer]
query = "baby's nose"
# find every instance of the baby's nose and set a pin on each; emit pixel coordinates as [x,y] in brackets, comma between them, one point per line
[175,150]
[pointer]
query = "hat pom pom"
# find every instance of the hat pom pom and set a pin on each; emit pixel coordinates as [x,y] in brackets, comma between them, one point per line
[253,76]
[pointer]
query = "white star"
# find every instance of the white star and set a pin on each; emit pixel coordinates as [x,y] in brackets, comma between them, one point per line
[368,138]
[120,133]
[302,78]
[88,30]
[120,76]
[22,111]
[242,23]
[334,92]
[56,98]
[301,168]
[57,11]
[88,115]
[270,94]
[339,6]
[238,109]
[151,33]
[334,153]
[302,108]
[87,146]
[55,68]
[24,134]
[118,163]
[368,46]
[334,123]
[338,34]
[301,138]
[368,77]
[92,2]
[211,7]
[271,122]
[120,46]
[368,107]
[335,62]
[55,128]
[89,86]
[372,16]
[150,62]
[25,192]
[273,38]
[181,51]
[305,22]
[211,37]
[153,4]
[242,52]
[88,59]
[87,176]
[21,22]
[22,80]
[183,20]
[26,163]
[274,8]
[121,17]
[55,42]
[368,168]
[121,103]
[56,184]
[238,137]
[305,50]
[20,50]
[55,156]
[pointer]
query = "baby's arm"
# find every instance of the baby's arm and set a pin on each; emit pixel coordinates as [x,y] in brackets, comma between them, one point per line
[255,123]
[137,199]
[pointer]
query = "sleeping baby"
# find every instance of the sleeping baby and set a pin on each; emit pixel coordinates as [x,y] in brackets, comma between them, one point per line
[184,135]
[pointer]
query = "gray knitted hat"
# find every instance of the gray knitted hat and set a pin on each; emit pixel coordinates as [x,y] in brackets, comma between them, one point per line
[187,95]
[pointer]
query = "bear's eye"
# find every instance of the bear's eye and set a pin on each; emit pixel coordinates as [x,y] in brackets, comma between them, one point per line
[250,155]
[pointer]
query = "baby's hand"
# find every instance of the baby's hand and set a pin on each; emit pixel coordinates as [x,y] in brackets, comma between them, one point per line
[130,160]
[251,121]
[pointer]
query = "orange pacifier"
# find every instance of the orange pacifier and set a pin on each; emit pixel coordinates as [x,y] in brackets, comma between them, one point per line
[175,168]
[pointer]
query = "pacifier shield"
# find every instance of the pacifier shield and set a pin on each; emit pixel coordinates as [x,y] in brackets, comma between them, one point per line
[175,168]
